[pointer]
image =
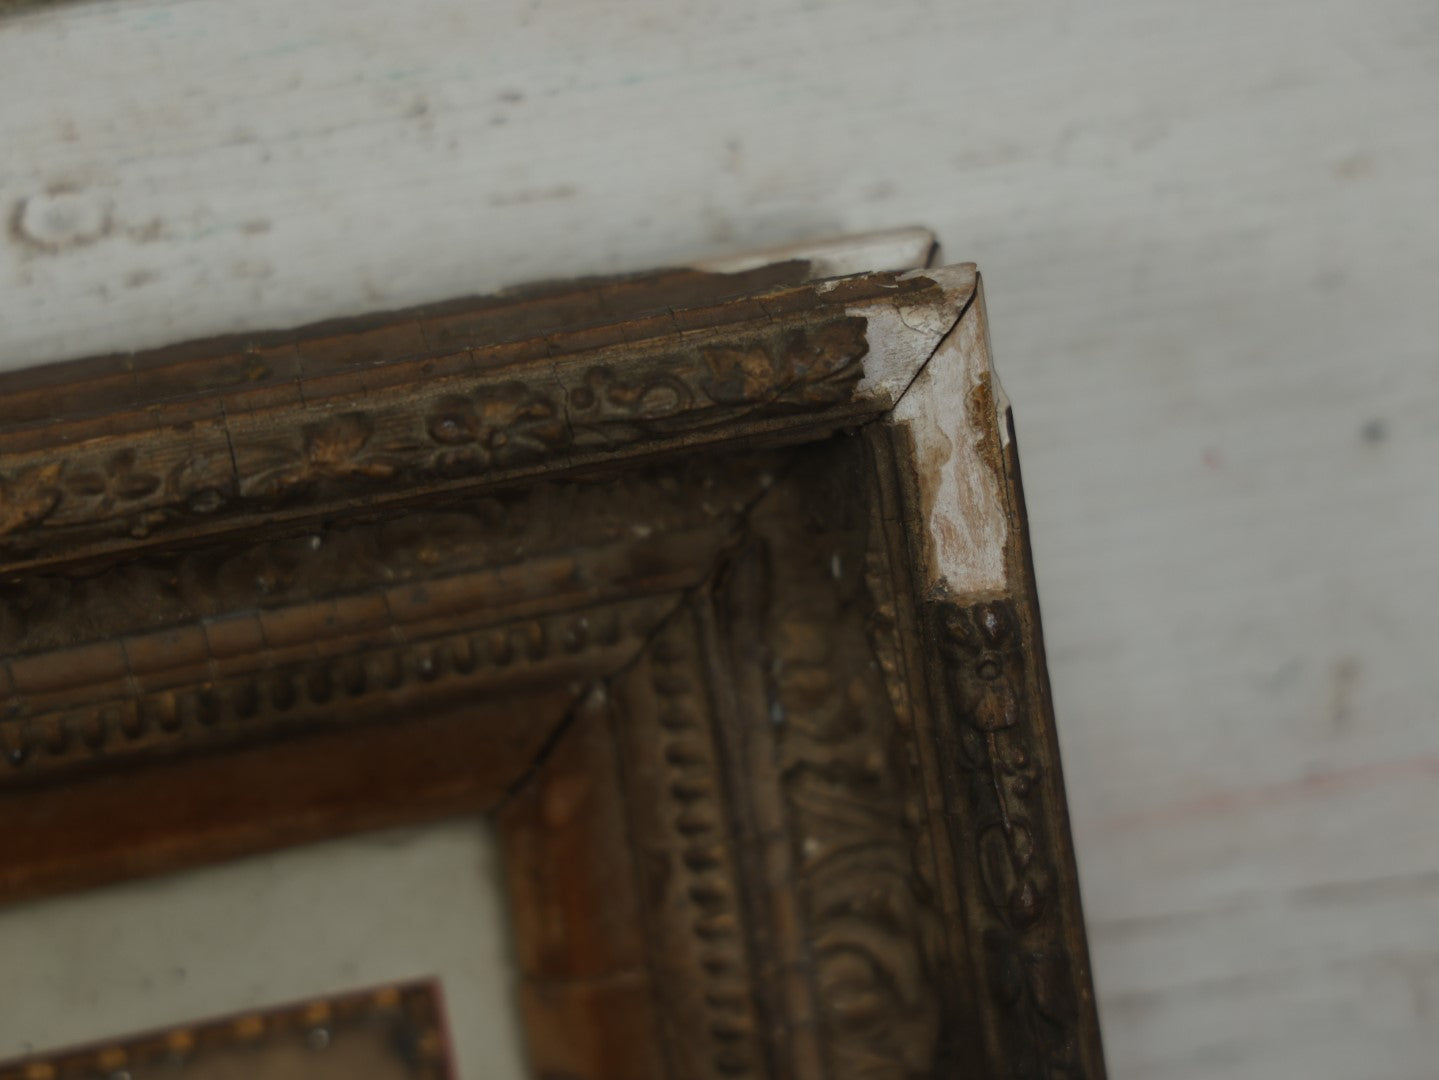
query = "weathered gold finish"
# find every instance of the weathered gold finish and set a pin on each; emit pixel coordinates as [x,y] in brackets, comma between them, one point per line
[712,588]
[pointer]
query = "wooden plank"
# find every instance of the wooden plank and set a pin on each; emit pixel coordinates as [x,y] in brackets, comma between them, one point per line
[190,812]
[586,991]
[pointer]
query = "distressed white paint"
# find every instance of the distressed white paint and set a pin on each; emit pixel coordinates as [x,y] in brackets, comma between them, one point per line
[902,336]
[1208,239]
[961,484]
[885,249]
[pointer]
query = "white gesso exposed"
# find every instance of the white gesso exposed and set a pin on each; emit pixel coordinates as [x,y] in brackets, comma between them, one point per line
[926,359]
[858,253]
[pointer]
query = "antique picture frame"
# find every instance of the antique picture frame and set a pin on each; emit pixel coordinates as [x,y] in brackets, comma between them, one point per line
[711,586]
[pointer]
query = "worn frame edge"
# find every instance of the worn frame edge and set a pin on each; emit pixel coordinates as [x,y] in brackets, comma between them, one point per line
[982,648]
[934,357]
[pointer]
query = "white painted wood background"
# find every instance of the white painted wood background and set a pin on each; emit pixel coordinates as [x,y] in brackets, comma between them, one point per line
[1211,245]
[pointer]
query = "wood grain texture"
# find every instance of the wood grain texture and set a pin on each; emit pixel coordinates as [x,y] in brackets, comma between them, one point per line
[1211,263]
[666,677]
[176,814]
[587,991]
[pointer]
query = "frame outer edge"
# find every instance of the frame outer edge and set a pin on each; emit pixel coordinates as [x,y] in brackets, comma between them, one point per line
[997,742]
[786,365]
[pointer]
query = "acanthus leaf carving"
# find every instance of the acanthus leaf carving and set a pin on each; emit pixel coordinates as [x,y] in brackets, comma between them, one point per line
[873,928]
[853,805]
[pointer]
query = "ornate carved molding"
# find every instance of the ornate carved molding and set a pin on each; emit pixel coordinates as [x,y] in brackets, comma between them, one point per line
[588,533]
[849,885]
[237,643]
[873,926]
[817,780]
[855,811]
[422,419]
[266,693]
[680,808]
[1008,852]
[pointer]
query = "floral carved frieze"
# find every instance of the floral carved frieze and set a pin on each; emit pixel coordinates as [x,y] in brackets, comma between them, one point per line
[1010,850]
[297,457]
